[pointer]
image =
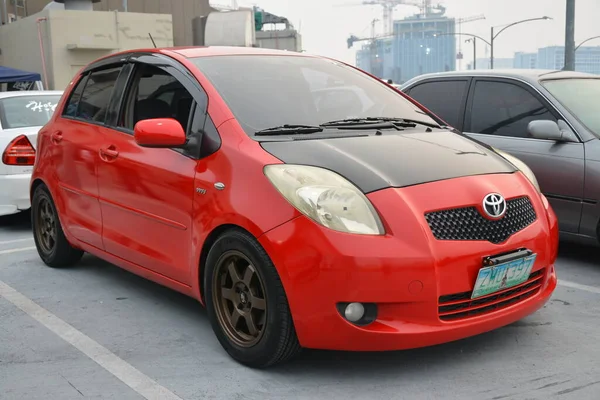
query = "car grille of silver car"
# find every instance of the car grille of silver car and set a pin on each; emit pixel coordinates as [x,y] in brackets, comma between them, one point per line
[467,223]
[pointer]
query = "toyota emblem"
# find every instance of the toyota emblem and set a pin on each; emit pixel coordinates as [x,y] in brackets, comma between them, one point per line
[494,205]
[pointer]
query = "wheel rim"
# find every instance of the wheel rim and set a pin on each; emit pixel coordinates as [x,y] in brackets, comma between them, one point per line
[240,299]
[45,227]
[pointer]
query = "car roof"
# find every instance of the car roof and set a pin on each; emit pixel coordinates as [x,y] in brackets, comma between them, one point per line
[207,51]
[200,51]
[530,75]
[19,93]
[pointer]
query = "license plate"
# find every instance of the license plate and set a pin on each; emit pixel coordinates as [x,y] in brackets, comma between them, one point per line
[503,276]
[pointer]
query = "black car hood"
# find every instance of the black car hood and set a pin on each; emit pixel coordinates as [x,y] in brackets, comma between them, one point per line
[401,159]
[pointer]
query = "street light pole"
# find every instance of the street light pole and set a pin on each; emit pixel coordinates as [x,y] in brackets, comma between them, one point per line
[585,41]
[494,36]
[474,51]
[473,37]
[569,64]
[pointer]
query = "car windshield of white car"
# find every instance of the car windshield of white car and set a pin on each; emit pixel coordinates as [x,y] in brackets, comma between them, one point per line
[265,91]
[26,111]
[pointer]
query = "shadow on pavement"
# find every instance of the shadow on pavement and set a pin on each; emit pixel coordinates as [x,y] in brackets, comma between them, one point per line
[579,252]
[438,357]
[16,222]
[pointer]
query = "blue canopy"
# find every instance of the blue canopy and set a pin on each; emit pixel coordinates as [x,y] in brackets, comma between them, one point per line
[15,75]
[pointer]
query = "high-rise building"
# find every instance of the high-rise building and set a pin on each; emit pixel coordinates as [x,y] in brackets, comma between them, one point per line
[587,58]
[377,58]
[524,60]
[423,45]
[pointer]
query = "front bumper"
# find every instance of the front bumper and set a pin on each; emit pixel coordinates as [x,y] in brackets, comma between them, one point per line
[406,271]
[14,193]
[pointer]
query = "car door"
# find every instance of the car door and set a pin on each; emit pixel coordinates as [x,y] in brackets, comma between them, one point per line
[445,97]
[146,194]
[498,113]
[76,140]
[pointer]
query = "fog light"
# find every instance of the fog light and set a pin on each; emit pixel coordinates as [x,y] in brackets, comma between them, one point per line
[354,312]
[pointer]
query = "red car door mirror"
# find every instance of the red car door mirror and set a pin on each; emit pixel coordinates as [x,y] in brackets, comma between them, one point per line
[159,132]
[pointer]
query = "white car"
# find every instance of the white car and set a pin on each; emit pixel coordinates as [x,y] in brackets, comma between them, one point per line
[22,114]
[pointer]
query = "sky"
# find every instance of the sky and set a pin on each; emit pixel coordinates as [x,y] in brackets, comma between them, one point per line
[326,24]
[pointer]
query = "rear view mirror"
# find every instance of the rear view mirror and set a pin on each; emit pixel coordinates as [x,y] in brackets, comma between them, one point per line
[159,132]
[548,130]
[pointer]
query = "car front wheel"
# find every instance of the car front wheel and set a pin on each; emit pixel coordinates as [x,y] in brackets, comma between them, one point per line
[246,302]
[50,240]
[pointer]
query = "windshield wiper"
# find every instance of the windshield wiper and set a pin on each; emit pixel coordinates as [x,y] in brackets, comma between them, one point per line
[368,121]
[289,129]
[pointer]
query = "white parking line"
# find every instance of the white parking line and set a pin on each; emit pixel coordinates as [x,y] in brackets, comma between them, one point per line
[20,249]
[122,370]
[16,241]
[579,286]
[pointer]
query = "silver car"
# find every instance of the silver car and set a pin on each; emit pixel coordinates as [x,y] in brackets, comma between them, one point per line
[548,119]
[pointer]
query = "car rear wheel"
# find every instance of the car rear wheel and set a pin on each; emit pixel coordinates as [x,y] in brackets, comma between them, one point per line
[50,240]
[246,302]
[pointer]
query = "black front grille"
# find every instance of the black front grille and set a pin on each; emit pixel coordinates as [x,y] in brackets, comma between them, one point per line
[466,223]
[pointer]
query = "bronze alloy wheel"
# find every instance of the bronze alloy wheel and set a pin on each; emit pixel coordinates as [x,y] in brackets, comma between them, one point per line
[46,229]
[239,299]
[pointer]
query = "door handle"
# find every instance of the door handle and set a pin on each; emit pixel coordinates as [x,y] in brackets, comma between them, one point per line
[109,154]
[56,137]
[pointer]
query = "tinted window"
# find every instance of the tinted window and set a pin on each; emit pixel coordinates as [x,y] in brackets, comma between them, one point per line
[96,95]
[443,98]
[580,96]
[505,109]
[156,94]
[278,90]
[70,109]
[24,111]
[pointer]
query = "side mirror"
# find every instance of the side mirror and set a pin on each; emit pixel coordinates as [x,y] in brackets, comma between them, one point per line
[160,133]
[548,130]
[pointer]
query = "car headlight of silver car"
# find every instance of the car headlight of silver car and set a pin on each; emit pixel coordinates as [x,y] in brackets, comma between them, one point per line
[326,197]
[521,166]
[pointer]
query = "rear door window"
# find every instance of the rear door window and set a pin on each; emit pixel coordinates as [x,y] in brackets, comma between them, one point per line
[95,98]
[443,98]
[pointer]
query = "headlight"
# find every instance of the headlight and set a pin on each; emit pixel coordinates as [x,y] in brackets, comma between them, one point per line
[326,198]
[521,166]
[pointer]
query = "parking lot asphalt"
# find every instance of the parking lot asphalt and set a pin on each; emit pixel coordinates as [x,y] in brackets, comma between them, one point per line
[97,332]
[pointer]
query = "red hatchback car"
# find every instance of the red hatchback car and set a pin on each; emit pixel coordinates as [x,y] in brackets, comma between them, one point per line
[302,201]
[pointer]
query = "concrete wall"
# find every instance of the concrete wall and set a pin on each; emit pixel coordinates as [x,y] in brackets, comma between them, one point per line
[72,39]
[182,11]
[234,28]
[287,39]
[19,45]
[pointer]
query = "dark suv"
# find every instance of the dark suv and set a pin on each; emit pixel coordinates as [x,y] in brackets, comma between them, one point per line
[548,119]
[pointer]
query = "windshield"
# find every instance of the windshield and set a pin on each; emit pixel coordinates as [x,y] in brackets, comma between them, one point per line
[269,91]
[26,111]
[580,97]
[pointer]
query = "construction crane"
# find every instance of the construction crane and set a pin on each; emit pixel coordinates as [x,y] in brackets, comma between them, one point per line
[425,7]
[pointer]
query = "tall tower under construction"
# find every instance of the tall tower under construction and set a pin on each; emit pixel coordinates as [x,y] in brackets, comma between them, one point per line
[419,44]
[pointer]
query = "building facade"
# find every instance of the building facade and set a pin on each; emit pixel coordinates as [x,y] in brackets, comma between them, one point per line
[71,39]
[525,60]
[423,45]
[587,58]
[182,12]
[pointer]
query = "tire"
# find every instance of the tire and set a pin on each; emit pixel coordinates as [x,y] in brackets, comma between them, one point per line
[277,341]
[56,252]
